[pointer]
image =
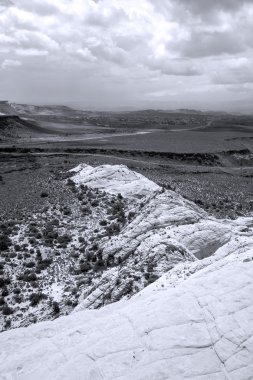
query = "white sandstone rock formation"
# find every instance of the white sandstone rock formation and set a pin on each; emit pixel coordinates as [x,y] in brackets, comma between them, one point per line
[114,179]
[166,230]
[194,322]
[197,328]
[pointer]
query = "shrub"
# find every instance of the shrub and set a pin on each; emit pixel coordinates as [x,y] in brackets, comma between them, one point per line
[68,303]
[5,292]
[56,307]
[99,264]
[30,264]
[4,282]
[64,239]
[43,264]
[70,182]
[28,276]
[5,242]
[7,310]
[17,299]
[2,301]
[84,267]
[86,210]
[35,298]
[113,229]
[7,323]
[131,215]
[152,278]
[94,247]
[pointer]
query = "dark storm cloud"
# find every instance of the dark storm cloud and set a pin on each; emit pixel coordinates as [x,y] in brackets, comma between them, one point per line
[208,8]
[44,7]
[203,44]
[5,3]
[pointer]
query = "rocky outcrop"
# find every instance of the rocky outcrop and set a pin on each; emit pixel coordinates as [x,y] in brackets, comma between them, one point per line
[194,327]
[166,230]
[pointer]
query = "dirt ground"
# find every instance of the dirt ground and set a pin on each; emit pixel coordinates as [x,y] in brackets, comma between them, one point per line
[31,182]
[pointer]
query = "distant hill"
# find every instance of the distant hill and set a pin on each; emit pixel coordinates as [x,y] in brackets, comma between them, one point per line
[13,127]
[6,108]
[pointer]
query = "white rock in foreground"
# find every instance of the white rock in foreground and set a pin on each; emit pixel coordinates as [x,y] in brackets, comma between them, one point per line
[200,329]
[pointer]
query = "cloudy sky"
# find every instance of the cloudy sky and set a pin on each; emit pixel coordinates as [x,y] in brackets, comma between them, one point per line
[128,53]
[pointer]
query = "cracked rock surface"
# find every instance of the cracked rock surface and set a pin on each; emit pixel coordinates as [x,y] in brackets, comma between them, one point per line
[198,328]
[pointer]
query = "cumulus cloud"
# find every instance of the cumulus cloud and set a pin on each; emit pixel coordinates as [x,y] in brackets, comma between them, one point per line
[10,63]
[139,46]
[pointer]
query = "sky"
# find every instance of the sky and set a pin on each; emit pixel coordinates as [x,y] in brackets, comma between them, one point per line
[114,54]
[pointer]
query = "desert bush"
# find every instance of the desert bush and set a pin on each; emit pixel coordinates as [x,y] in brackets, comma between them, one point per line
[84,267]
[7,310]
[56,307]
[5,242]
[35,298]
[30,264]
[32,241]
[113,229]
[152,278]
[81,239]
[5,292]
[43,264]
[70,182]
[94,247]
[17,299]
[110,260]
[68,303]
[2,301]
[131,215]
[64,239]
[49,232]
[33,230]
[99,264]
[86,210]
[28,276]
[7,324]
[4,281]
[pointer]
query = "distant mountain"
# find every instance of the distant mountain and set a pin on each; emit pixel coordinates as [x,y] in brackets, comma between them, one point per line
[13,128]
